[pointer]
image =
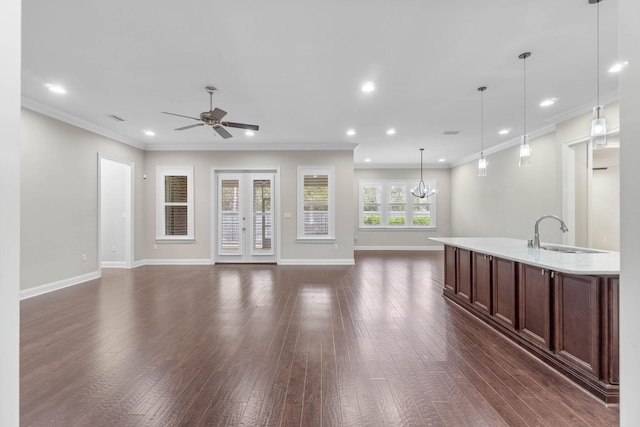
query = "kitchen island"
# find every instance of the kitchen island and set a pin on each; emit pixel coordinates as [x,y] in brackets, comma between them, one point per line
[562,307]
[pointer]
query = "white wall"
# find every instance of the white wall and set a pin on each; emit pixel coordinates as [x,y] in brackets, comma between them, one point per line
[630,213]
[287,161]
[10,211]
[59,199]
[507,202]
[405,239]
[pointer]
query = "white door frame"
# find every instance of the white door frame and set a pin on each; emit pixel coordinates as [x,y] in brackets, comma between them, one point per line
[215,170]
[129,219]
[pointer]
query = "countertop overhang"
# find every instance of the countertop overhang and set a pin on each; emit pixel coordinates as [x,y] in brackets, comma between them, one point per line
[601,263]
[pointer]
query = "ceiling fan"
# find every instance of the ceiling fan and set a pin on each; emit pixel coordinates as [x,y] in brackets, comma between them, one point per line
[213,118]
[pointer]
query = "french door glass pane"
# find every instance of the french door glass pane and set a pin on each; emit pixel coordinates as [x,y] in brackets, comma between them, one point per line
[262,215]
[230,218]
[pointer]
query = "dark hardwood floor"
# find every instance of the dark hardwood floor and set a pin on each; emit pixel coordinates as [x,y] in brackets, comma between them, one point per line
[371,344]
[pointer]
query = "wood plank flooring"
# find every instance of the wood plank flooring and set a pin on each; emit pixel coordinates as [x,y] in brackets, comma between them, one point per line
[373,344]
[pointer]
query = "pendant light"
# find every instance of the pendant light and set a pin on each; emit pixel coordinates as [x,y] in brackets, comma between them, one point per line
[422,190]
[525,148]
[482,162]
[598,125]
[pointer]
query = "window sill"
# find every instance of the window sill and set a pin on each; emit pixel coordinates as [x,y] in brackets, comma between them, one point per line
[185,240]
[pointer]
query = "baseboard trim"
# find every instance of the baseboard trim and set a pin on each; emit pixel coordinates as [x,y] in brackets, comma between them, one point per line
[60,284]
[154,261]
[399,248]
[113,264]
[347,261]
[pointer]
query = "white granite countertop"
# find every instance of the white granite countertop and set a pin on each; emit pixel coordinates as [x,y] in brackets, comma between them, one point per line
[602,263]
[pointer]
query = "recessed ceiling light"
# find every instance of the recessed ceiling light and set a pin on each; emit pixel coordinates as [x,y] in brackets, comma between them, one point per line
[442,160]
[56,88]
[368,87]
[391,131]
[249,133]
[351,132]
[367,160]
[548,102]
[616,68]
[149,132]
[504,131]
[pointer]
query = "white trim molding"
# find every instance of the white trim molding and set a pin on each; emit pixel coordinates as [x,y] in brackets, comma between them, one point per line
[158,261]
[60,284]
[342,261]
[399,248]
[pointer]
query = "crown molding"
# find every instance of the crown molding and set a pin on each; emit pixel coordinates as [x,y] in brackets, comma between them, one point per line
[46,110]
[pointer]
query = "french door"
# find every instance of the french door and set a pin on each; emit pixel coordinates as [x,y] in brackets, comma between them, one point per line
[245,217]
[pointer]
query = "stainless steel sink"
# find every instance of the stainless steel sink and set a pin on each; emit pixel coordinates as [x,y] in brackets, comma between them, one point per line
[571,249]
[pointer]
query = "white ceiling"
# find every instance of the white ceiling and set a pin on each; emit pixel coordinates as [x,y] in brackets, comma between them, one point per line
[295,68]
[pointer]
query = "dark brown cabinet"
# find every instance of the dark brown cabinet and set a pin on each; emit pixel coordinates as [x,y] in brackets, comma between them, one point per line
[504,292]
[534,310]
[481,282]
[577,321]
[463,275]
[569,321]
[450,269]
[611,339]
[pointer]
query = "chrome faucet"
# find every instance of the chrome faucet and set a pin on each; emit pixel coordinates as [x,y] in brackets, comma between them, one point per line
[535,242]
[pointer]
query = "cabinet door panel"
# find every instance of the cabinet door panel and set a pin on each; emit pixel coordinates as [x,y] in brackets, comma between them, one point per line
[504,293]
[612,343]
[481,282]
[463,285]
[577,321]
[534,304]
[450,268]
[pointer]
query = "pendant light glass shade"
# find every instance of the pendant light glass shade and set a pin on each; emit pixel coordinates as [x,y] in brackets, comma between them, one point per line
[482,165]
[422,190]
[598,129]
[482,162]
[598,134]
[525,148]
[525,151]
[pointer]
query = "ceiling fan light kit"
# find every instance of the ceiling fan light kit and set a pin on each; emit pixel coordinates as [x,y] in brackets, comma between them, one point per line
[213,118]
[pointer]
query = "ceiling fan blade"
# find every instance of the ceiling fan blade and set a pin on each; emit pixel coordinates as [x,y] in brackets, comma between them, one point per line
[190,126]
[180,115]
[222,132]
[240,125]
[217,114]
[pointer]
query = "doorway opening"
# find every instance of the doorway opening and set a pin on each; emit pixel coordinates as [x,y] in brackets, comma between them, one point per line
[591,194]
[115,212]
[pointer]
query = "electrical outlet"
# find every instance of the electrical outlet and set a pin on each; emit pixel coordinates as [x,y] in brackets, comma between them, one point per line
[84,257]
[155,246]
[113,248]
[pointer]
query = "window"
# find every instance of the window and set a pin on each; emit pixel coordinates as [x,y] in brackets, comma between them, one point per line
[174,207]
[316,210]
[389,204]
